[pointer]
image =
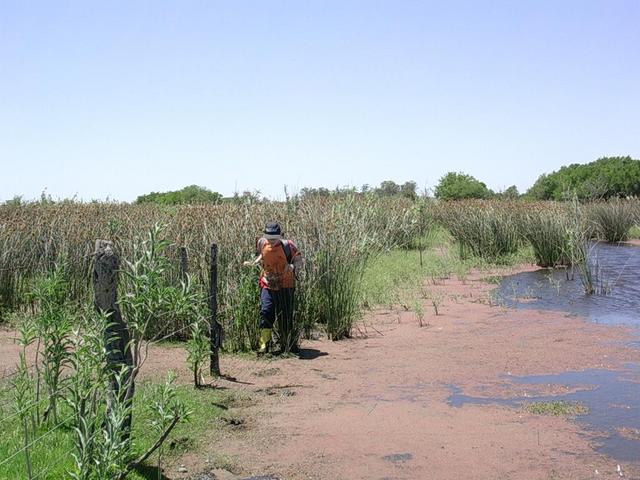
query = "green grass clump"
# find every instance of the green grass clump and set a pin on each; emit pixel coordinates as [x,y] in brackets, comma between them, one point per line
[613,219]
[558,408]
[546,231]
[489,230]
[634,232]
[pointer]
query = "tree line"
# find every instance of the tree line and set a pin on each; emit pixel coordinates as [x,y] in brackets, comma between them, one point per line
[601,179]
[604,178]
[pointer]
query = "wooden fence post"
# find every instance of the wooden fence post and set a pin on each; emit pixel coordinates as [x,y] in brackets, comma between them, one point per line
[184,264]
[105,295]
[215,333]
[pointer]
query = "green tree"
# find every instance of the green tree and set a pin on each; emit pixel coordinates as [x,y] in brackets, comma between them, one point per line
[457,186]
[188,195]
[408,190]
[604,178]
[388,188]
[510,193]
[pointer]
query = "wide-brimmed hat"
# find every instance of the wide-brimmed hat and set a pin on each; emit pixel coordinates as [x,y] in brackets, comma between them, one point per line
[273,231]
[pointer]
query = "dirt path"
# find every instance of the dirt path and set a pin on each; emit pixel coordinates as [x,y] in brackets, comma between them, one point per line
[376,408]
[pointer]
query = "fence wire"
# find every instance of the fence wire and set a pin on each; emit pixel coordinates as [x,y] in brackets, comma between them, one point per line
[233,367]
[53,465]
[45,398]
[29,445]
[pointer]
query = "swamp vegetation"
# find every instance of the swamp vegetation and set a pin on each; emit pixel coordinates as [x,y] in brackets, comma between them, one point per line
[59,411]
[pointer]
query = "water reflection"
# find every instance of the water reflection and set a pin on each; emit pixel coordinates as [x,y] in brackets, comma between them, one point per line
[617,268]
[611,397]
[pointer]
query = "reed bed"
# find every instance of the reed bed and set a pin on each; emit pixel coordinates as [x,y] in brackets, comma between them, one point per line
[336,236]
[561,234]
[486,229]
[613,219]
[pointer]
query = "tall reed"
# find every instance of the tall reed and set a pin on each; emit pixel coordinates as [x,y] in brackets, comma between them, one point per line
[612,219]
[546,230]
[489,230]
[34,237]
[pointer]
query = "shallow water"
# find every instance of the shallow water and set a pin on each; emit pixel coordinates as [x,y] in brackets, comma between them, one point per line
[611,397]
[617,268]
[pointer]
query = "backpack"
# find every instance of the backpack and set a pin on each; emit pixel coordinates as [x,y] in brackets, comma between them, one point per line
[287,249]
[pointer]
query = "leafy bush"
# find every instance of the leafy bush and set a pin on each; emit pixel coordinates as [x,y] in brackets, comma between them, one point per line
[606,177]
[192,194]
[458,186]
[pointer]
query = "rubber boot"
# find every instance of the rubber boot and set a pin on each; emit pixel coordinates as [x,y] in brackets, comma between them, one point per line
[265,338]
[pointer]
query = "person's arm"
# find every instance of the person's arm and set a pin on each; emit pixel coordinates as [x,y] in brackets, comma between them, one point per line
[258,259]
[251,263]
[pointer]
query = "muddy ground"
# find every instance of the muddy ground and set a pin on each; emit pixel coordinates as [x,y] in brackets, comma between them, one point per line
[376,406]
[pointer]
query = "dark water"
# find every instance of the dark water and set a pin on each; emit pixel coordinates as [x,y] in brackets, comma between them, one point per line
[613,400]
[612,397]
[617,271]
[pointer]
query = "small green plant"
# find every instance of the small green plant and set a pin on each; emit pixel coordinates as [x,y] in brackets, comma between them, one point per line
[113,449]
[96,443]
[53,323]
[24,394]
[198,349]
[436,300]
[166,410]
[419,312]
[493,279]
[557,408]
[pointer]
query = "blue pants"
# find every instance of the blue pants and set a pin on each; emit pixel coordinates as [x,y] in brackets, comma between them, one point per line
[278,304]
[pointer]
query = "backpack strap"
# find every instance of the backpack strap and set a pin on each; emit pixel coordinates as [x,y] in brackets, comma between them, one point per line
[287,249]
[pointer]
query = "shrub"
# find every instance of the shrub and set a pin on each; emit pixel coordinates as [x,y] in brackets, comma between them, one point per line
[459,186]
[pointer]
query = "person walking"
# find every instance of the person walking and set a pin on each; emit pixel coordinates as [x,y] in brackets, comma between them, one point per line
[279,260]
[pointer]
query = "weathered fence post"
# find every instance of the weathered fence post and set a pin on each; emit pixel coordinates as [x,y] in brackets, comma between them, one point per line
[105,295]
[184,264]
[215,333]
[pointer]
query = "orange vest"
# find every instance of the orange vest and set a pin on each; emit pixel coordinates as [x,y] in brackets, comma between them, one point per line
[275,274]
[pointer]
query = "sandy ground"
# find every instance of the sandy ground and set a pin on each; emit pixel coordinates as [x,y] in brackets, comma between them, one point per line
[375,407]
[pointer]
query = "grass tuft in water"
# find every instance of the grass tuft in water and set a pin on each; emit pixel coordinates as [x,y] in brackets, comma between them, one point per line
[558,408]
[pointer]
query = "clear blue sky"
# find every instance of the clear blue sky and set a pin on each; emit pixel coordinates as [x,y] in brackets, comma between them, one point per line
[119,98]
